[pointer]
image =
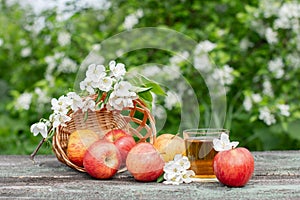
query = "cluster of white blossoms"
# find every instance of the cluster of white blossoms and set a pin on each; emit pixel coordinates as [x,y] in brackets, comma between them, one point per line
[176,171]
[266,115]
[250,99]
[97,81]
[120,92]
[24,101]
[276,67]
[133,19]
[61,108]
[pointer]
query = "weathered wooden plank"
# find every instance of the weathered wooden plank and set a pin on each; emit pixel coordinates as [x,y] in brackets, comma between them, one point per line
[276,176]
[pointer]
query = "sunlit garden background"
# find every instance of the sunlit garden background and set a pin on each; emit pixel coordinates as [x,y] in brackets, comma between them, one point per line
[254,44]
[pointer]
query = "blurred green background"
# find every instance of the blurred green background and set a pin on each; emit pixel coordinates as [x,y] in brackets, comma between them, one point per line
[254,44]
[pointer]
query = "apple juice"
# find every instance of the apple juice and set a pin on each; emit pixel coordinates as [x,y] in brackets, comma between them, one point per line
[201,154]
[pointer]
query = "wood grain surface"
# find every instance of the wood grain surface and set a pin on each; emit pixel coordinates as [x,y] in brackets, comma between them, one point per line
[276,176]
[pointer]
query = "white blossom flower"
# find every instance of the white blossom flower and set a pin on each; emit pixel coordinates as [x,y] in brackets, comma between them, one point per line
[187,176]
[42,96]
[173,167]
[117,69]
[204,47]
[183,161]
[245,44]
[77,102]
[59,119]
[67,65]
[284,109]
[266,115]
[88,104]
[171,100]
[151,70]
[172,179]
[178,58]
[276,66]
[270,8]
[39,127]
[139,13]
[202,63]
[247,103]
[25,52]
[294,60]
[176,171]
[87,85]
[267,88]
[224,74]
[95,72]
[256,98]
[105,84]
[61,104]
[224,143]
[271,36]
[122,97]
[64,38]
[132,19]
[24,101]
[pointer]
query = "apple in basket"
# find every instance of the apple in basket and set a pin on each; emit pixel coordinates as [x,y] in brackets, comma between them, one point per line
[78,142]
[123,141]
[169,145]
[144,162]
[102,160]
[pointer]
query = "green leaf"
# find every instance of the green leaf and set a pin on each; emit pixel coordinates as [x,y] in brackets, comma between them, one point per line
[156,88]
[99,96]
[141,89]
[147,83]
[147,96]
[86,115]
[107,97]
[160,178]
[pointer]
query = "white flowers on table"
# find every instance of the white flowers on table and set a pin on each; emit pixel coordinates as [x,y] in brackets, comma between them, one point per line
[224,143]
[176,171]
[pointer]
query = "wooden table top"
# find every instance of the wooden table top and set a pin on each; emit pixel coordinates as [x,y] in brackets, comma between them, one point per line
[276,176]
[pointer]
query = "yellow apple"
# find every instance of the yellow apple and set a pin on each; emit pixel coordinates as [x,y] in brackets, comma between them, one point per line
[169,145]
[79,141]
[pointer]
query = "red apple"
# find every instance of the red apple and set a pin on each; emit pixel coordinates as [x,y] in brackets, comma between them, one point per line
[102,160]
[234,167]
[123,141]
[144,162]
[78,142]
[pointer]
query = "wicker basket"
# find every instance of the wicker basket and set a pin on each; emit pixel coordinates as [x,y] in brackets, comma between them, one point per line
[137,121]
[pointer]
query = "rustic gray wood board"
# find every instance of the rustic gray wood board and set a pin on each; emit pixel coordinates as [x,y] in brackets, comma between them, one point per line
[276,176]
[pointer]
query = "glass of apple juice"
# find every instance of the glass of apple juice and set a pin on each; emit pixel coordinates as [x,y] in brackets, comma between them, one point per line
[200,151]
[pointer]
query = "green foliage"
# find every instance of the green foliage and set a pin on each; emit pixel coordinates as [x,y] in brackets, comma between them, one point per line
[42,61]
